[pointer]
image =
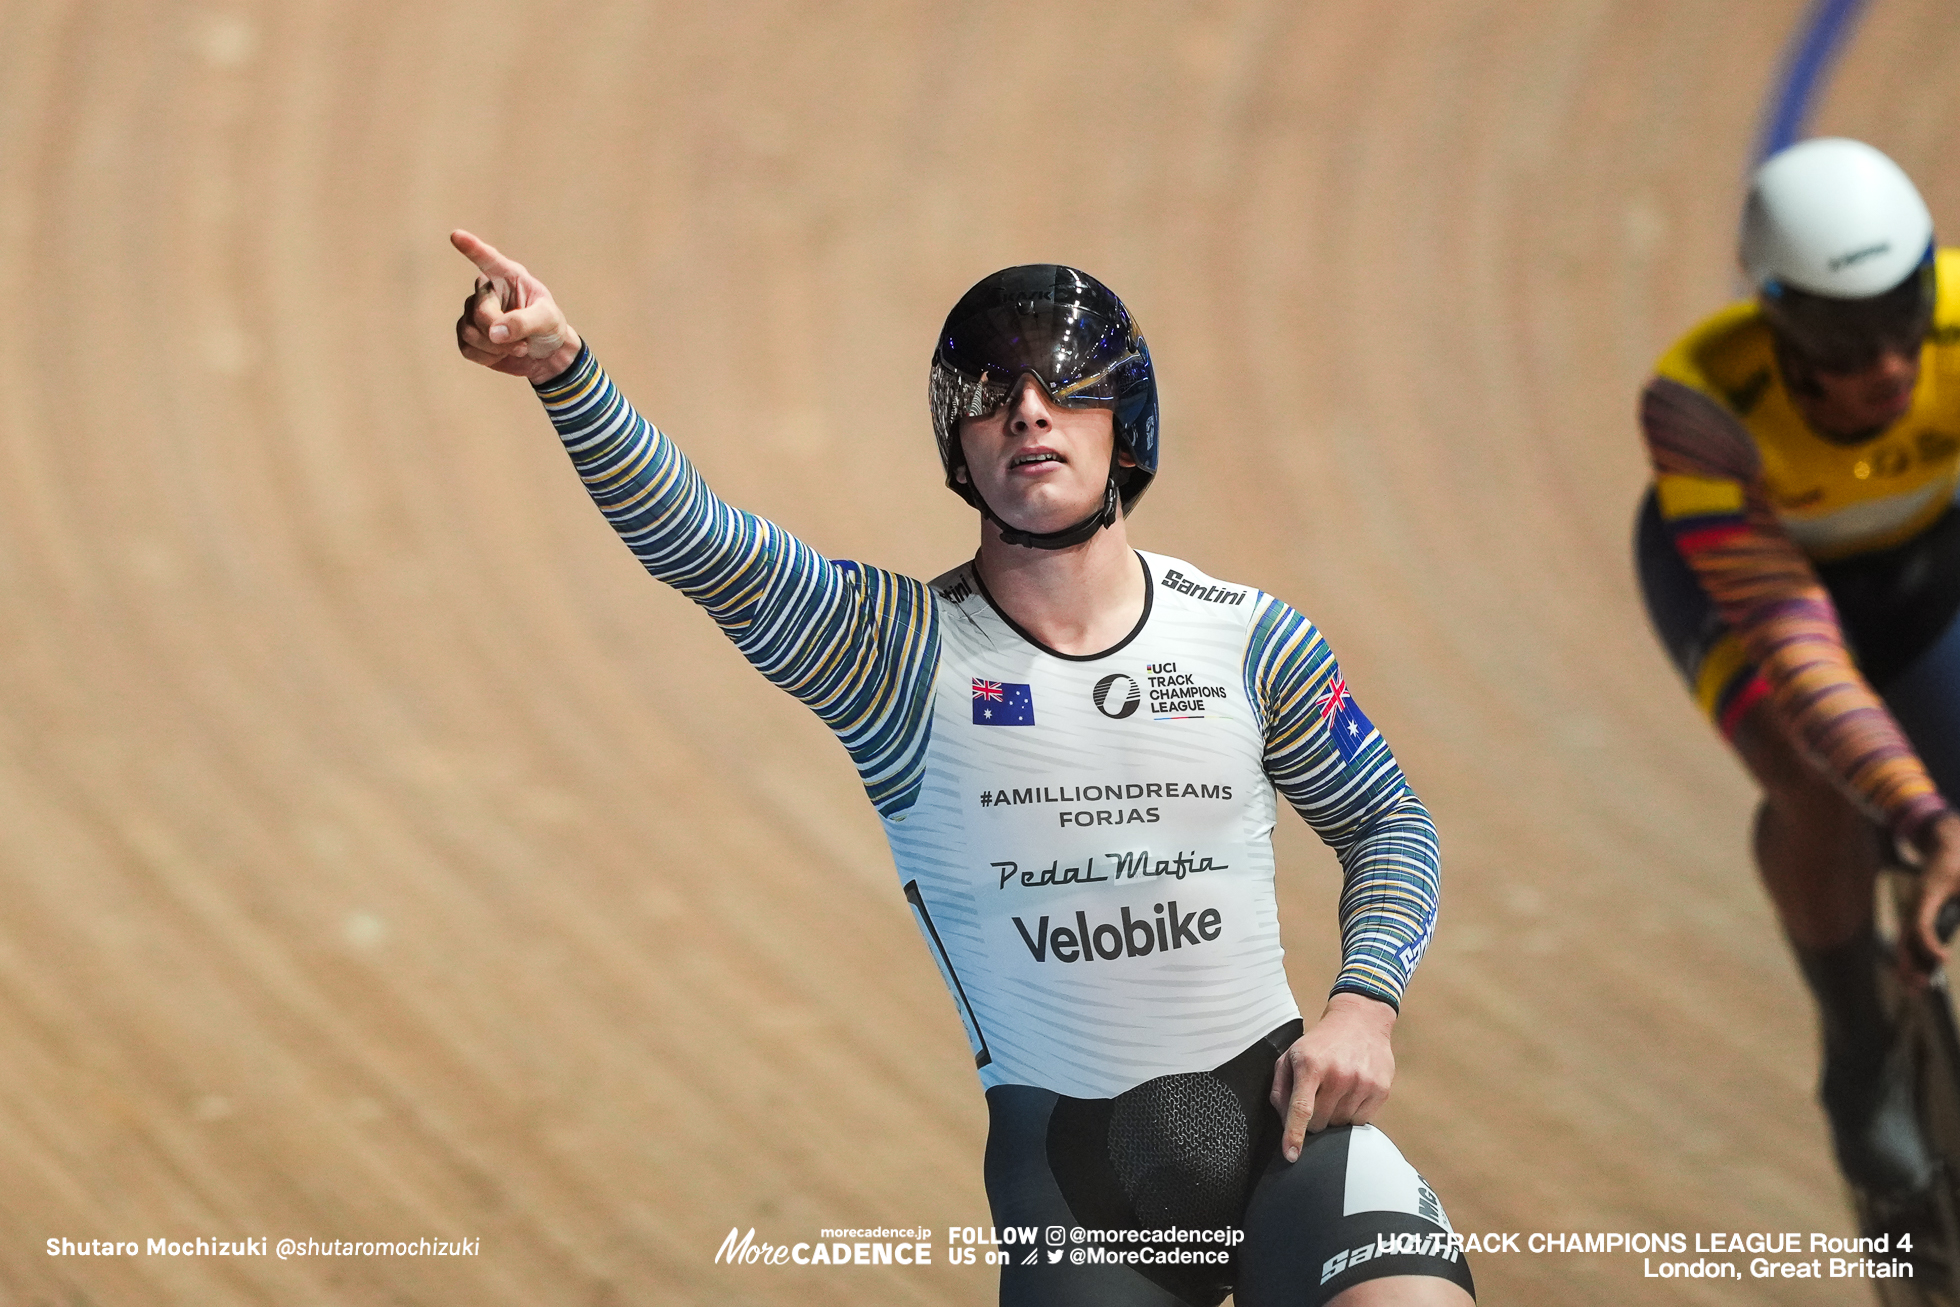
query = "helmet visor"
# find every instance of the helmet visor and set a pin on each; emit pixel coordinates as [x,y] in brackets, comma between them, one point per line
[1082,356]
[1850,335]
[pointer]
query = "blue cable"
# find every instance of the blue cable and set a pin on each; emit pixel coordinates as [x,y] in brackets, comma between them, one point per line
[1813,49]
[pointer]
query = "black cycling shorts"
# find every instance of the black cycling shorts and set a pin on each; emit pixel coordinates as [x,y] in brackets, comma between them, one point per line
[1899,609]
[1175,1192]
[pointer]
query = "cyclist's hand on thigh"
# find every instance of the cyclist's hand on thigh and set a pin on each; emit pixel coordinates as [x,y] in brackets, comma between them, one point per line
[1338,1073]
[510,323]
[1939,880]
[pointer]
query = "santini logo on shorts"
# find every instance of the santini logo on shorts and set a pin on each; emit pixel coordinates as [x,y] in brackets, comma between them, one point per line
[1441,1244]
[1002,703]
[1108,941]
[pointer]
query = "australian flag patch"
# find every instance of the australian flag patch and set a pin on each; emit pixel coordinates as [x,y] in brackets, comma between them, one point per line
[1002,703]
[1346,722]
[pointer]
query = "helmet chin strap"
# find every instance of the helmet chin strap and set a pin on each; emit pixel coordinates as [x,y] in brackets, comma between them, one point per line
[1067,537]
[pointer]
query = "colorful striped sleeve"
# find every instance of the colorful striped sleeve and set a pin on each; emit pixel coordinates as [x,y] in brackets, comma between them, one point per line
[1354,796]
[857,644]
[1708,479]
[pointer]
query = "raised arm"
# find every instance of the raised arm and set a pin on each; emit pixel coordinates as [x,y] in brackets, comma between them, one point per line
[856,644]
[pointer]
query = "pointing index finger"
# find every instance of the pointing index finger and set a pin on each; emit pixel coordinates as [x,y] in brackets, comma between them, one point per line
[485,256]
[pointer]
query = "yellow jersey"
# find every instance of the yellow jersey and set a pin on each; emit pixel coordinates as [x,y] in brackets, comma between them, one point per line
[1834,499]
[1752,496]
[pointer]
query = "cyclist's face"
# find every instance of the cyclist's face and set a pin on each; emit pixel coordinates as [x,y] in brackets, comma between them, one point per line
[1868,399]
[1042,466]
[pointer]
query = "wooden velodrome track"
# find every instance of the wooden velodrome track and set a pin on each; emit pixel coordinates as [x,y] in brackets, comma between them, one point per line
[385,856]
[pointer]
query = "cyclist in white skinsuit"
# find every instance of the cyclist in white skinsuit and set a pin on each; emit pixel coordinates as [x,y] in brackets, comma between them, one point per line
[1075,747]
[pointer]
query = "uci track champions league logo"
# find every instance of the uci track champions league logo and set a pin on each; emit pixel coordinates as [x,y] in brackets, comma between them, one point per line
[1117,695]
[1174,695]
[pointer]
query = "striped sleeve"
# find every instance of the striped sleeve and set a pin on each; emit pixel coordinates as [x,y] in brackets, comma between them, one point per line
[857,644]
[1708,479]
[1355,798]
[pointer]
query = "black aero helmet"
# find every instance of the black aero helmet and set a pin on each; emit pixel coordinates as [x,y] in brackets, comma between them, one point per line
[1081,344]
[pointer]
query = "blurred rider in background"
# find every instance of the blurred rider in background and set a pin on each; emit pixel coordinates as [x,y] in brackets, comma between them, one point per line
[1800,557]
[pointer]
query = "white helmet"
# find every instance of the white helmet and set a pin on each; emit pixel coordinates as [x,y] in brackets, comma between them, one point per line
[1840,248]
[1833,217]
